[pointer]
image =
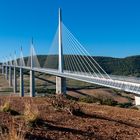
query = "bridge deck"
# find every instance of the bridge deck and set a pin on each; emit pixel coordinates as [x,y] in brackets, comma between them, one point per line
[121,83]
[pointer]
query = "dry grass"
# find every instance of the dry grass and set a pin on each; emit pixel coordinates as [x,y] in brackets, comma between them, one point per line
[61,103]
[13,133]
[31,113]
[60,118]
[5,107]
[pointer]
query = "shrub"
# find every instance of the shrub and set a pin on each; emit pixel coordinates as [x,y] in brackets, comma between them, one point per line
[7,89]
[100,99]
[3,129]
[135,107]
[88,99]
[125,105]
[75,109]
[5,107]
[109,102]
[31,114]
[15,135]
[59,102]
[12,133]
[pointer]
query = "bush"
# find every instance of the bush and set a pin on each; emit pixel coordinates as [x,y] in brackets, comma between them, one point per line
[7,89]
[125,105]
[109,102]
[59,102]
[43,90]
[5,107]
[72,107]
[31,114]
[135,107]
[71,97]
[100,99]
[88,99]
[75,109]
[15,135]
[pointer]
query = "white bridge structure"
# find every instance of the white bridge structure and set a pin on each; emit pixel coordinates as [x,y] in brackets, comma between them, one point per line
[72,61]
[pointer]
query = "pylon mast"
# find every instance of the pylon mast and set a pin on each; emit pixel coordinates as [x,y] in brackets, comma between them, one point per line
[60,62]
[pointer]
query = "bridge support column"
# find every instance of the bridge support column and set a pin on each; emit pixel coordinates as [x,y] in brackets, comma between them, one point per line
[6,73]
[15,80]
[137,101]
[21,83]
[32,84]
[2,70]
[10,76]
[60,81]
[60,85]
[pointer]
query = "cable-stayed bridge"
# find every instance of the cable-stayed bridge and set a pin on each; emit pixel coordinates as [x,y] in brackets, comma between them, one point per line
[67,58]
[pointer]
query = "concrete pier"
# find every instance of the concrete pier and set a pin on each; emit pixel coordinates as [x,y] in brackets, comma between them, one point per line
[2,70]
[60,85]
[21,83]
[32,83]
[6,73]
[10,76]
[137,101]
[15,80]
[60,81]
[32,73]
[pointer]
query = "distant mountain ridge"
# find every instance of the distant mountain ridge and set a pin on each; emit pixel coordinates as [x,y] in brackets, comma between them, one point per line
[128,66]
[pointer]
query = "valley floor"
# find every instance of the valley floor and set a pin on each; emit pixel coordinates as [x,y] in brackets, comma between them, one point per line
[58,118]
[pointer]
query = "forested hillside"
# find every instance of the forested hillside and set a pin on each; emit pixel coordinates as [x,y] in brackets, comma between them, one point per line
[121,66]
[117,66]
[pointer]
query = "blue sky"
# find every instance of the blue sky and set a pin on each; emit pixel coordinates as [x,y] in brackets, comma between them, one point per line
[104,27]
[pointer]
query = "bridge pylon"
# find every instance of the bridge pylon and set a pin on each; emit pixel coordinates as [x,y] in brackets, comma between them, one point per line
[137,100]
[6,69]
[15,80]
[15,76]
[32,75]
[21,83]
[6,72]
[60,81]
[21,76]
[10,73]
[2,69]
